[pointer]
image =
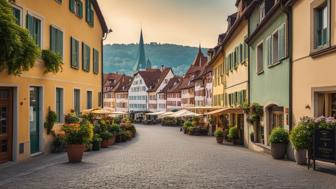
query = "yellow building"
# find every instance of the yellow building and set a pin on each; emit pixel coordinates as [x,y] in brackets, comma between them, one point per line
[216,63]
[236,69]
[73,28]
[314,55]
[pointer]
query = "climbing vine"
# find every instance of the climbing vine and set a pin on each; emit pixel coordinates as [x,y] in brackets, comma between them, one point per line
[18,51]
[52,61]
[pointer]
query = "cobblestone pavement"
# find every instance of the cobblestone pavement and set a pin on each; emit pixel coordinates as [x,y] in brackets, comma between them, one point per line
[162,157]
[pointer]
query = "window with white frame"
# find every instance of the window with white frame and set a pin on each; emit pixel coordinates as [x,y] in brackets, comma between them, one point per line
[260,58]
[321,25]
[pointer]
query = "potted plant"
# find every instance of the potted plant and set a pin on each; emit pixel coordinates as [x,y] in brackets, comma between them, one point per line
[77,135]
[219,136]
[233,135]
[96,142]
[114,129]
[278,140]
[300,137]
[106,136]
[186,125]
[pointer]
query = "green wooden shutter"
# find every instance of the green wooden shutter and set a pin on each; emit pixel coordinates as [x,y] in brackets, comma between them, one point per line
[282,42]
[60,43]
[80,11]
[95,61]
[72,5]
[74,53]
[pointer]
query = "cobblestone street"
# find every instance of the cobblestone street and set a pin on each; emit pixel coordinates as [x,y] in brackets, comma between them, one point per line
[162,157]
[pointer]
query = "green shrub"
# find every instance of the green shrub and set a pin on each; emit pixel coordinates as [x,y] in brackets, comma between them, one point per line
[97,138]
[50,121]
[105,135]
[78,133]
[300,137]
[71,118]
[18,50]
[114,128]
[52,61]
[233,133]
[195,121]
[278,135]
[122,136]
[219,133]
[187,124]
[169,121]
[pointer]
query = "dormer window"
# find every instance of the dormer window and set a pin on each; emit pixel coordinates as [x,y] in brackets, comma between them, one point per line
[262,11]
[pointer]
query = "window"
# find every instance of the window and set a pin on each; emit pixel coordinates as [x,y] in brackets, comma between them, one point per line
[275,48]
[269,50]
[56,40]
[321,25]
[34,28]
[76,7]
[77,101]
[95,61]
[282,42]
[18,15]
[260,58]
[262,11]
[59,1]
[89,99]
[85,57]
[89,12]
[74,53]
[59,105]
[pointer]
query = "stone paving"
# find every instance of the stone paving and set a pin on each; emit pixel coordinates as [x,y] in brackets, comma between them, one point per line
[162,157]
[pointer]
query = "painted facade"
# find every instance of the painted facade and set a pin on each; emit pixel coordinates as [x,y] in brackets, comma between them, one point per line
[314,84]
[110,82]
[236,70]
[269,65]
[34,92]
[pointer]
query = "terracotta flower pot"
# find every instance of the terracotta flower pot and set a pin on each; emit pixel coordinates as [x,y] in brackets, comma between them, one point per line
[301,156]
[220,140]
[75,152]
[112,140]
[278,150]
[105,144]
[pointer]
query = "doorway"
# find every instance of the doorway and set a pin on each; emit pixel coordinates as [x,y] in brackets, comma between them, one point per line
[34,119]
[6,124]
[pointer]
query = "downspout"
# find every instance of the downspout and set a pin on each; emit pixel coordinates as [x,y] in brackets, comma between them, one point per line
[288,10]
[102,73]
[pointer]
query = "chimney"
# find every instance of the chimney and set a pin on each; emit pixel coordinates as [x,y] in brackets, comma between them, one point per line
[162,68]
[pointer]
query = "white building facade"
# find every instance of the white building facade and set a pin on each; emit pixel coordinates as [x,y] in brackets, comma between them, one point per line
[137,95]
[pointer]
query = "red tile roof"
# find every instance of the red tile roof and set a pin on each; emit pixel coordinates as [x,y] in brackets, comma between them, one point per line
[124,84]
[172,83]
[110,81]
[195,69]
[153,77]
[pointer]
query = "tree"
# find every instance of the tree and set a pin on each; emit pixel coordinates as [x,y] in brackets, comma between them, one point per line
[18,51]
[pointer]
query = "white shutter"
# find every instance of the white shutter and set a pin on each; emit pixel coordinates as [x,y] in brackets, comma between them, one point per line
[282,42]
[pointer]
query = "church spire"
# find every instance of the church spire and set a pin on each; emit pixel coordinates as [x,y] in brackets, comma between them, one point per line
[141,62]
[149,64]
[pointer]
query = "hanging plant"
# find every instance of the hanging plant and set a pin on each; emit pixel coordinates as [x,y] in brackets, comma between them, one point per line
[50,122]
[254,113]
[52,61]
[18,51]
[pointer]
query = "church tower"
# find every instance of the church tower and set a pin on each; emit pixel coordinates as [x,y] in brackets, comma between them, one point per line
[141,62]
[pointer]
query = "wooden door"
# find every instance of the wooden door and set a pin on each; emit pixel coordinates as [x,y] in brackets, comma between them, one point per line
[6,124]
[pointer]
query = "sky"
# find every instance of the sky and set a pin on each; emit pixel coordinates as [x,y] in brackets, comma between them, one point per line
[183,22]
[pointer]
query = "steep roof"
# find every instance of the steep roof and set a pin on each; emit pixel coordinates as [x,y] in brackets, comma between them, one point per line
[110,81]
[141,62]
[195,69]
[152,77]
[171,84]
[123,84]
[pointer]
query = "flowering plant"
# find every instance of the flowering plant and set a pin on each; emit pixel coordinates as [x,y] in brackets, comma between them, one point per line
[78,133]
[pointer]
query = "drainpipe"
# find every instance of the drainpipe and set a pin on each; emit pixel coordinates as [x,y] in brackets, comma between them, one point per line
[288,10]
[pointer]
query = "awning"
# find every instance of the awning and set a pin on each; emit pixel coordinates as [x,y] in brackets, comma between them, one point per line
[226,110]
[155,113]
[184,113]
[216,111]
[119,113]
[101,111]
[203,107]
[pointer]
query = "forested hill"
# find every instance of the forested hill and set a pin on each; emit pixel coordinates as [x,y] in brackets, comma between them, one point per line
[122,58]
